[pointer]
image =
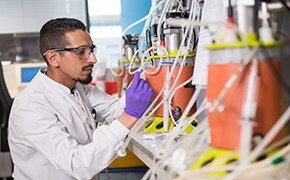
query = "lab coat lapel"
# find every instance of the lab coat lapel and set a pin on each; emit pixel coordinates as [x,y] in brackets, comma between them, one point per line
[82,99]
[68,108]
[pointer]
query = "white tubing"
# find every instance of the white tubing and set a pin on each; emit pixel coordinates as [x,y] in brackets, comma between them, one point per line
[172,94]
[144,18]
[214,106]
[196,135]
[160,62]
[166,106]
[189,106]
[235,76]
[141,122]
[258,165]
[248,114]
[132,61]
[166,6]
[135,23]
[193,117]
[143,33]
[190,30]
[147,17]
[142,66]
[271,134]
[167,142]
[188,22]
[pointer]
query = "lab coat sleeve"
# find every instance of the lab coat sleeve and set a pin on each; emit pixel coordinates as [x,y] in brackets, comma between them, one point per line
[41,130]
[106,106]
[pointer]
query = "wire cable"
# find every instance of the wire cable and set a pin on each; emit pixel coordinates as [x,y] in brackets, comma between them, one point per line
[285,5]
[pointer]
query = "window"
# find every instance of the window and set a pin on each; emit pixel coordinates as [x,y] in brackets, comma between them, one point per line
[105,29]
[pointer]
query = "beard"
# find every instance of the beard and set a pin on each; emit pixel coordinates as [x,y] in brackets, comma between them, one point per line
[89,78]
[86,80]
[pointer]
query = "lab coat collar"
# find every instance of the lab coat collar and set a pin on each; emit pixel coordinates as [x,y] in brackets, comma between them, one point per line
[42,72]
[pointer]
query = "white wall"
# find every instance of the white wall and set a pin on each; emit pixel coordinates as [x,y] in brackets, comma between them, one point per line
[23,16]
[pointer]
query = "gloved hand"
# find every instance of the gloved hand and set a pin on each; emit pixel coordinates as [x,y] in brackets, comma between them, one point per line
[138,97]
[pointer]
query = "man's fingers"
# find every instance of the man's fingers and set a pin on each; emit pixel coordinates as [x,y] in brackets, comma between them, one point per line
[141,84]
[136,80]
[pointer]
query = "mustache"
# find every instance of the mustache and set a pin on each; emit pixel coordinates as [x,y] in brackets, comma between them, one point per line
[88,66]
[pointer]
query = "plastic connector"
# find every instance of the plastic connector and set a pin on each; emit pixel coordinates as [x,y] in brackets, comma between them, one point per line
[121,153]
[265,31]
[278,160]
[177,161]
[231,35]
[265,34]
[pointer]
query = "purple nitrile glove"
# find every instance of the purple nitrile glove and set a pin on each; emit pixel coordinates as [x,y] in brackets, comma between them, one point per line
[138,97]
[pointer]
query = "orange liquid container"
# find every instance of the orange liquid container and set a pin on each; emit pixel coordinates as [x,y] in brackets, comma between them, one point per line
[225,126]
[181,97]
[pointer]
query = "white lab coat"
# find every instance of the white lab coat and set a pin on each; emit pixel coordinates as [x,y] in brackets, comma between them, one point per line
[52,133]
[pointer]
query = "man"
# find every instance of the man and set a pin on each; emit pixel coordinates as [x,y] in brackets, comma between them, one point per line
[52,131]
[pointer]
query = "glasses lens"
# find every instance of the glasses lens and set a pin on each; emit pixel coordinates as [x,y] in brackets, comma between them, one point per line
[85,52]
[82,52]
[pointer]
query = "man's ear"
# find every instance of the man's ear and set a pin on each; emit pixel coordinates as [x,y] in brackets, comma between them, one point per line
[52,58]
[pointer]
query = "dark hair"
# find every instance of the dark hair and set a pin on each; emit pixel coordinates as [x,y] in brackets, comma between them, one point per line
[52,33]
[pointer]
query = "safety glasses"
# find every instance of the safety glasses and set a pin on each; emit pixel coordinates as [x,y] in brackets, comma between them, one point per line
[82,52]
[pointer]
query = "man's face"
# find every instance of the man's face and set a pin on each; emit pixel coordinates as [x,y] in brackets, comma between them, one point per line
[78,64]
